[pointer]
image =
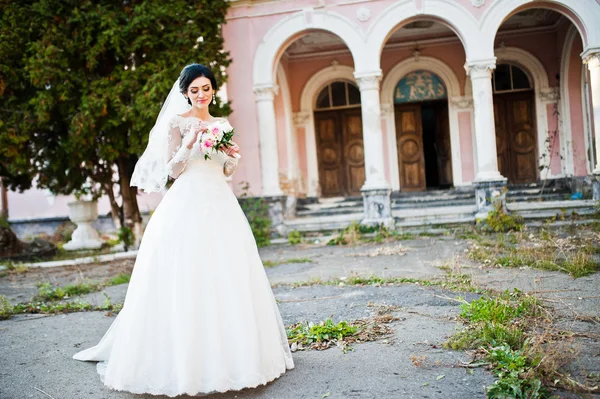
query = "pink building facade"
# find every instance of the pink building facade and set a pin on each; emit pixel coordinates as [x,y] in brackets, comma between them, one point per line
[452,93]
[342,98]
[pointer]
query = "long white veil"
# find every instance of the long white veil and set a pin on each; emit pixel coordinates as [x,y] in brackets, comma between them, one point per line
[151,171]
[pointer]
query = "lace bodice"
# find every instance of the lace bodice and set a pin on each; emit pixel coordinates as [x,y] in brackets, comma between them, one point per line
[181,134]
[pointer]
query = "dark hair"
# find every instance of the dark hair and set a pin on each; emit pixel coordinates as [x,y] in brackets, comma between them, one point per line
[192,72]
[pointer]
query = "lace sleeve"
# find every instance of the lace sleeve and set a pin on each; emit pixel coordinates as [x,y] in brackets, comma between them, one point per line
[178,149]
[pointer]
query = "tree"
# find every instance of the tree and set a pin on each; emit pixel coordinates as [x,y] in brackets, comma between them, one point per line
[82,82]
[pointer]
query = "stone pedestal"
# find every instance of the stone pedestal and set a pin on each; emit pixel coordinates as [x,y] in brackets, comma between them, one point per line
[488,194]
[596,186]
[377,207]
[83,214]
[277,213]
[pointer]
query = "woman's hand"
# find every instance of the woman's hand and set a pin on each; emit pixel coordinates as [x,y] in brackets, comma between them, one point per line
[232,150]
[198,129]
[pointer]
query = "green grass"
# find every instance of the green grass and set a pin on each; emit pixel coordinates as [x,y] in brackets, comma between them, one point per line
[120,279]
[308,333]
[48,292]
[273,263]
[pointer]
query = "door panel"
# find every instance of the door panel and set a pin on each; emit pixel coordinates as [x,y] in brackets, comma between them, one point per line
[329,154]
[409,139]
[340,152]
[354,154]
[516,140]
[522,141]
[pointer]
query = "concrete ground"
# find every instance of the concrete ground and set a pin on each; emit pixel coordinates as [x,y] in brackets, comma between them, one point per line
[36,350]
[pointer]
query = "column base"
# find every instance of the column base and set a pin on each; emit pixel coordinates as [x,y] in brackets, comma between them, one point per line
[489,195]
[277,213]
[596,186]
[377,207]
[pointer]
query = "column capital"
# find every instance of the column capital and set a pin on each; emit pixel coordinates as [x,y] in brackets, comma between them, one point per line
[387,109]
[300,118]
[461,102]
[592,59]
[549,94]
[265,92]
[368,80]
[477,69]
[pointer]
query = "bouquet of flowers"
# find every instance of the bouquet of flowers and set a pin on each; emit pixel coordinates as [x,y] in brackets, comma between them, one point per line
[214,138]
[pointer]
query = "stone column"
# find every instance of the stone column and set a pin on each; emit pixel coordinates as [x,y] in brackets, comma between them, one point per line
[269,157]
[376,190]
[267,129]
[593,63]
[304,120]
[490,185]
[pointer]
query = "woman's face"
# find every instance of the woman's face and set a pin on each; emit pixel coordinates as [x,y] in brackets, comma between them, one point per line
[200,92]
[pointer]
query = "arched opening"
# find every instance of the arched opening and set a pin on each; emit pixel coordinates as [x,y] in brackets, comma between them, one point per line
[423,62]
[339,139]
[514,115]
[540,103]
[322,95]
[423,141]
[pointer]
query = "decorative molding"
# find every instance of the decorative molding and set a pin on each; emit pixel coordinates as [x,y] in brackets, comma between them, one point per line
[461,102]
[387,110]
[549,94]
[301,118]
[477,3]
[481,68]
[265,92]
[363,14]
[369,81]
[592,60]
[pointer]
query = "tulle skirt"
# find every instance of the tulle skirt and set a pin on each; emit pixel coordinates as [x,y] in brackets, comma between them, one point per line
[199,315]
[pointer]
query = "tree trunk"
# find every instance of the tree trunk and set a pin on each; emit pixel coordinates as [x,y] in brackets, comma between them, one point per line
[115,211]
[3,201]
[131,212]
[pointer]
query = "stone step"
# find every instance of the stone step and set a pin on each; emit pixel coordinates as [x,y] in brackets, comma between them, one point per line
[548,209]
[435,215]
[323,223]
[536,198]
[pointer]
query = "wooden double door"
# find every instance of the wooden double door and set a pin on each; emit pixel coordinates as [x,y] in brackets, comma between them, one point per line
[423,145]
[516,138]
[340,152]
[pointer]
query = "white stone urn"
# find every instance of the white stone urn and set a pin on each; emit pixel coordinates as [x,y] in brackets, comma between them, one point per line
[83,214]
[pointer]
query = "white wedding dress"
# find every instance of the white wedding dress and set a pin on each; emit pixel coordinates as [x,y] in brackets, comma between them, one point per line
[199,315]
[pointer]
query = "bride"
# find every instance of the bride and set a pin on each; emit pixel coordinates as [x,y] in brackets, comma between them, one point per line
[199,315]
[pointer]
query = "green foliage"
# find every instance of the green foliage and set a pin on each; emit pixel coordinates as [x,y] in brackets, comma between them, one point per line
[256,210]
[6,309]
[81,84]
[272,263]
[48,292]
[4,223]
[120,279]
[125,235]
[496,325]
[63,307]
[511,367]
[499,221]
[295,237]
[308,333]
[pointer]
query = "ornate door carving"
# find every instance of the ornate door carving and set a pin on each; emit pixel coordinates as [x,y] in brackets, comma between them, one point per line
[409,142]
[516,137]
[340,152]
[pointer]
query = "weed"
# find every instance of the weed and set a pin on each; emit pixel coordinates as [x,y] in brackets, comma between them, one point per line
[48,292]
[6,309]
[120,279]
[498,220]
[257,212]
[272,263]
[295,237]
[126,236]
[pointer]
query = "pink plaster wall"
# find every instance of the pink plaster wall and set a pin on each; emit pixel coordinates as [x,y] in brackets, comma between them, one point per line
[577,126]
[301,137]
[466,146]
[386,157]
[280,116]
[554,140]
[301,70]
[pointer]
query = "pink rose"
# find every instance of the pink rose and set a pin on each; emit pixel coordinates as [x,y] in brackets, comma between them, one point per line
[215,130]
